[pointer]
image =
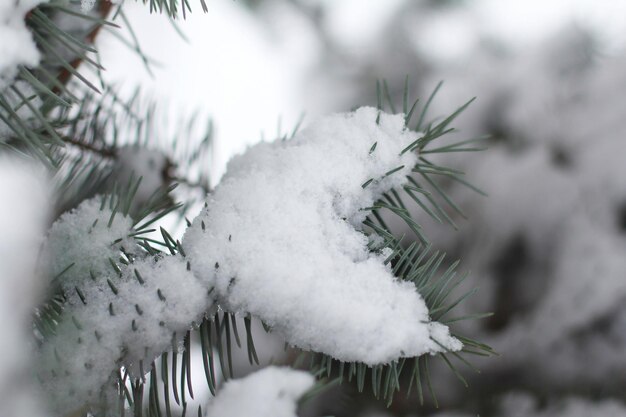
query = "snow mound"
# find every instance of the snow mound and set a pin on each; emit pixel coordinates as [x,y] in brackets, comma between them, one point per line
[280,238]
[270,392]
[125,320]
[118,316]
[82,241]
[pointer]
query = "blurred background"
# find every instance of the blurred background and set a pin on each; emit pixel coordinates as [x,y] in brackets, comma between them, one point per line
[546,248]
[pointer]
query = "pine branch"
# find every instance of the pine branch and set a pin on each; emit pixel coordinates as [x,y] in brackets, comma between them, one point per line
[415,264]
[89,125]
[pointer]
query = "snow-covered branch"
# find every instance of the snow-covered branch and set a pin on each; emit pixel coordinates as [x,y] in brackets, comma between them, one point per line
[281,238]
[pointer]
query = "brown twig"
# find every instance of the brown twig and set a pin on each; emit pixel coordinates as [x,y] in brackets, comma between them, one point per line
[90,147]
[65,74]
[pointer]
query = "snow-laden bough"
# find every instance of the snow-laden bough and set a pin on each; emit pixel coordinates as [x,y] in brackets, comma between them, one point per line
[281,238]
[113,316]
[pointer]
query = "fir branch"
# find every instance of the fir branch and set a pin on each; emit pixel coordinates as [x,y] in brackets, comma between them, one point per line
[415,264]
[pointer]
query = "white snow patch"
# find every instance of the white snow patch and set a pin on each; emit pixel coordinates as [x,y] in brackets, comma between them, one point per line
[270,392]
[23,214]
[103,331]
[280,238]
[83,241]
[111,319]
[17,46]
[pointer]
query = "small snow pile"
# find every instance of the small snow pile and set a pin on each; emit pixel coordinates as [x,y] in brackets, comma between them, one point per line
[123,315]
[82,241]
[281,238]
[270,392]
[169,302]
[23,216]
[17,46]
[125,320]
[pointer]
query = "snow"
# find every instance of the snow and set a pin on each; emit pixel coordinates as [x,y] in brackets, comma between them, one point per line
[270,392]
[133,327]
[571,285]
[87,5]
[83,241]
[184,301]
[111,319]
[23,216]
[281,238]
[17,46]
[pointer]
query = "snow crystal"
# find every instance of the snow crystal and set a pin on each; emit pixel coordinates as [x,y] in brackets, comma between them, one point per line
[17,46]
[270,392]
[280,238]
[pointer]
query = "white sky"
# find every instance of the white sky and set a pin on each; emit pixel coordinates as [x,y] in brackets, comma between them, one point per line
[228,70]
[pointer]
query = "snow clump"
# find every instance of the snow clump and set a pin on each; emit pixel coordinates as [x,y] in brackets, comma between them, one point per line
[113,316]
[270,392]
[281,238]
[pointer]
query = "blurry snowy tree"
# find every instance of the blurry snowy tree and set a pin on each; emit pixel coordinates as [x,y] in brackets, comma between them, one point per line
[293,236]
[547,247]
